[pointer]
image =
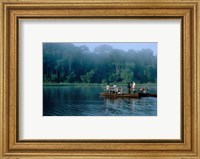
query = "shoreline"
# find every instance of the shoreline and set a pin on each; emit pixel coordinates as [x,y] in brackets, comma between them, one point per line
[95,84]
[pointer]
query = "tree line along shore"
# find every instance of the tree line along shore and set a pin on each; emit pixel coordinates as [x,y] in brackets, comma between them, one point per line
[97,84]
[66,64]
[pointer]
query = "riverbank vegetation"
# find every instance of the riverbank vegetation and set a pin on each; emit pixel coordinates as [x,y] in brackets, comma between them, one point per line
[66,64]
[95,84]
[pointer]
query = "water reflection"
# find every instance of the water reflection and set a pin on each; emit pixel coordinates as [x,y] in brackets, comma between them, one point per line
[85,101]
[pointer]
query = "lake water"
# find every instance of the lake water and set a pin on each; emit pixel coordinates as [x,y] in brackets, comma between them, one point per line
[86,101]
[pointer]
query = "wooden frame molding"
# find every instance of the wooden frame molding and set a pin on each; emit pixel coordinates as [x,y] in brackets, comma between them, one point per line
[12,11]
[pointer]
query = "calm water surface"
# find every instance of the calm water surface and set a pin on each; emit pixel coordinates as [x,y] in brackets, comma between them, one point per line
[86,101]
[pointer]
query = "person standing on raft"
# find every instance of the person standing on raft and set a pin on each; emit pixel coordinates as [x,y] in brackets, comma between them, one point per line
[129,88]
[133,86]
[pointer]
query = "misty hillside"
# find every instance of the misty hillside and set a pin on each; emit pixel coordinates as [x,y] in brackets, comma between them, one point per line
[65,62]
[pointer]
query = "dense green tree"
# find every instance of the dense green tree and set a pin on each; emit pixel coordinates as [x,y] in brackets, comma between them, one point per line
[65,62]
[87,78]
[127,75]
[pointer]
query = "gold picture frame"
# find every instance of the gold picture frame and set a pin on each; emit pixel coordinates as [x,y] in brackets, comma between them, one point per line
[14,10]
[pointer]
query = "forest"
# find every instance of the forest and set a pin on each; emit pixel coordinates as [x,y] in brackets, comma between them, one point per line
[66,62]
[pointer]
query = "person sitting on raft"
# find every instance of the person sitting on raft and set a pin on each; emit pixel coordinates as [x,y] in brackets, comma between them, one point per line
[108,88]
[115,89]
[142,90]
[119,90]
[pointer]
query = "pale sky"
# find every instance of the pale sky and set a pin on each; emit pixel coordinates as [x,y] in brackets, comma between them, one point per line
[122,45]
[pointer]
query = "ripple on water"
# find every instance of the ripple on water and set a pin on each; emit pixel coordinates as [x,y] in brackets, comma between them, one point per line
[85,101]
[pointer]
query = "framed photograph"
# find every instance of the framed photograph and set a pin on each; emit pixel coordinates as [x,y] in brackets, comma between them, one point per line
[99,79]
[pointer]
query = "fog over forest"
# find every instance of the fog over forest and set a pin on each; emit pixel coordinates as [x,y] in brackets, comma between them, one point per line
[66,62]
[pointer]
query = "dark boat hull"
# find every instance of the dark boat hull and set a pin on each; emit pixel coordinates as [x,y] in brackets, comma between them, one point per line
[112,95]
[147,95]
[135,95]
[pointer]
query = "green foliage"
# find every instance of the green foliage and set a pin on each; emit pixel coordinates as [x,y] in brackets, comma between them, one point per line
[65,62]
[54,77]
[127,75]
[70,77]
[87,78]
